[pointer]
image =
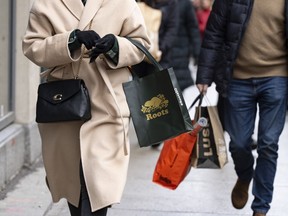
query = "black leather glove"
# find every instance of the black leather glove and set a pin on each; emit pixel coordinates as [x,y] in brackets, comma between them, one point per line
[88,38]
[102,45]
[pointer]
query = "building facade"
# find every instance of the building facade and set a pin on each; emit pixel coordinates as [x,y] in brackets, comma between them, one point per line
[19,79]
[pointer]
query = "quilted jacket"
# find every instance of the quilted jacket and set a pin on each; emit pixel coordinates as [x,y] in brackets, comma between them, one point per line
[223,35]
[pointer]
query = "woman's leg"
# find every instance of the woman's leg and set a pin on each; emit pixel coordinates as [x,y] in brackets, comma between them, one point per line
[74,211]
[84,208]
[85,201]
[100,212]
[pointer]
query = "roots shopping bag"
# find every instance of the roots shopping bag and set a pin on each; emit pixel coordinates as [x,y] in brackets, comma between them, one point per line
[156,104]
[174,160]
[210,150]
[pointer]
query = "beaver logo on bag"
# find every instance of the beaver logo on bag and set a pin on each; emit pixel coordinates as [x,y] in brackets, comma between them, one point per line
[156,107]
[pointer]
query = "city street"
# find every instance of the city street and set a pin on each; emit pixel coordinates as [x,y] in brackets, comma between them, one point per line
[204,192]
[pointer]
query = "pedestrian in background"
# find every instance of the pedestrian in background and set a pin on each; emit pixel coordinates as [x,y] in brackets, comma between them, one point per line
[187,45]
[244,51]
[87,162]
[168,27]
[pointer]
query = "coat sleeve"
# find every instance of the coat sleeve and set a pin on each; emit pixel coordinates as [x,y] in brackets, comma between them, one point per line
[134,28]
[42,45]
[213,42]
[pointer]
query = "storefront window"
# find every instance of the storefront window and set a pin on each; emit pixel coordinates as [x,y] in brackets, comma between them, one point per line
[5,62]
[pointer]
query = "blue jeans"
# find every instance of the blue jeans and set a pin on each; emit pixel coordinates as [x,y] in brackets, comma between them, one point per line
[270,95]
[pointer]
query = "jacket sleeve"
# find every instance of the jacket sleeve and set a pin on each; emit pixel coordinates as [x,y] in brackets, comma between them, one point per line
[134,28]
[213,42]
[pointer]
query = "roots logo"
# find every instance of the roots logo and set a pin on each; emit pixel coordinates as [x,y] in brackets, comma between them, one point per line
[156,107]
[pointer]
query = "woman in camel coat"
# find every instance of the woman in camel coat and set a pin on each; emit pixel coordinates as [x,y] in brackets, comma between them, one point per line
[101,144]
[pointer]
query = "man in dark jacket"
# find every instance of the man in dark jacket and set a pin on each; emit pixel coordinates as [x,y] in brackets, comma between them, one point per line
[244,52]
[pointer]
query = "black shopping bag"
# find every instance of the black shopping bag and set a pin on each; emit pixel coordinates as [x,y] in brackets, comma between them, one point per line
[210,150]
[156,104]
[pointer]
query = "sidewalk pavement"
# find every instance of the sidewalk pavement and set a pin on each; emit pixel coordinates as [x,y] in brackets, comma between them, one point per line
[204,192]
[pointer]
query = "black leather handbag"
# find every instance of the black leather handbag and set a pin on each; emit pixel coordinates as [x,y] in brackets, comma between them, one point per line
[63,100]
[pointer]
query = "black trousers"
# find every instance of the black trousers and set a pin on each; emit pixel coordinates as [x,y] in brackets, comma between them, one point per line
[84,208]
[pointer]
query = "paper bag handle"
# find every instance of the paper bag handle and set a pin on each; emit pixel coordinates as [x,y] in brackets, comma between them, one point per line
[200,98]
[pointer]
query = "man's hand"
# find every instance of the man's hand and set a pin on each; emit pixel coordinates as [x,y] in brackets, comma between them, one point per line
[202,88]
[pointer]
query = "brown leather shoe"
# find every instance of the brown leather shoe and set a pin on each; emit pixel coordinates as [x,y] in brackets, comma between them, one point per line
[239,194]
[258,214]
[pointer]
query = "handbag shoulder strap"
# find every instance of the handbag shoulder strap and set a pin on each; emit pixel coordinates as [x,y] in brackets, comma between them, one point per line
[147,53]
[76,76]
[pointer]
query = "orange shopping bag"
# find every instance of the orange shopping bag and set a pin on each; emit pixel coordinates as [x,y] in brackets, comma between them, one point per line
[174,160]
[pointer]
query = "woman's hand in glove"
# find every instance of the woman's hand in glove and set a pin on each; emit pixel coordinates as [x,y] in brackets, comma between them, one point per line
[102,45]
[88,38]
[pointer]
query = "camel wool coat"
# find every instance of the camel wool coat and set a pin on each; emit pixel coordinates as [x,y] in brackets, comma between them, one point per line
[101,143]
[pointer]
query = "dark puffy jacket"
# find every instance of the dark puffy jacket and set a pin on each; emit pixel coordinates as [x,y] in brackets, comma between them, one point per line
[168,27]
[187,44]
[224,32]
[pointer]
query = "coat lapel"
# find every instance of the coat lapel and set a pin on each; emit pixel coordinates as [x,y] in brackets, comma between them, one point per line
[75,6]
[91,8]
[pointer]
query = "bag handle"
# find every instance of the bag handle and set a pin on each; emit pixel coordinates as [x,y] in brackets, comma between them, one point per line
[198,112]
[151,59]
[200,98]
